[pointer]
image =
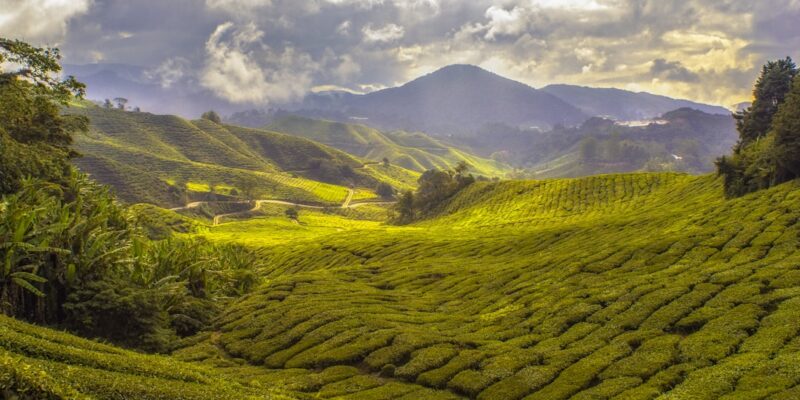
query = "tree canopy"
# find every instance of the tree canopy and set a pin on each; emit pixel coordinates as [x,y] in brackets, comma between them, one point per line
[768,151]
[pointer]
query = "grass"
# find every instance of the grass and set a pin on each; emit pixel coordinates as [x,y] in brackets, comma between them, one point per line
[619,286]
[41,363]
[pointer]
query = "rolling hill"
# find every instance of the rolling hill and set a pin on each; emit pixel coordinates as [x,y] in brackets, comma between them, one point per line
[144,155]
[414,151]
[631,286]
[636,286]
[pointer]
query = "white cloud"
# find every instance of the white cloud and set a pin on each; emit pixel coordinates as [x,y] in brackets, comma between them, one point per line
[387,34]
[242,69]
[39,21]
[505,22]
[170,71]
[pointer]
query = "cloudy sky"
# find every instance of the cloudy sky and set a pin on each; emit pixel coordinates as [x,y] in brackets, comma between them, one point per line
[267,51]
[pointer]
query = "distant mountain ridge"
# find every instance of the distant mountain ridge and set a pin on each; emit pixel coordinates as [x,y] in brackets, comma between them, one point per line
[452,100]
[625,105]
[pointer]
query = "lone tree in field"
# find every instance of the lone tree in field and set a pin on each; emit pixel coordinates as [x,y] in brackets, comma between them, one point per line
[292,213]
[121,102]
[385,162]
[107,104]
[212,116]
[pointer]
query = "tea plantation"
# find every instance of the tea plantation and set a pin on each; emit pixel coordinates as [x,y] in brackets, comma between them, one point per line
[143,156]
[636,286]
[632,286]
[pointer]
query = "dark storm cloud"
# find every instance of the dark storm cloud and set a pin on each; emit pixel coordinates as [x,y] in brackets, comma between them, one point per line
[266,51]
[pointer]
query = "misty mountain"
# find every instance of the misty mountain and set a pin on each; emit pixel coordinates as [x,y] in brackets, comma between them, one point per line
[453,100]
[624,105]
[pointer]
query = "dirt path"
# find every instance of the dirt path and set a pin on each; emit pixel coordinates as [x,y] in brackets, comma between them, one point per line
[258,203]
[349,198]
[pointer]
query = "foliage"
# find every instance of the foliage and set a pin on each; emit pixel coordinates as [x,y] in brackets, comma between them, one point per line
[212,116]
[34,136]
[435,187]
[54,238]
[786,128]
[769,92]
[384,190]
[769,149]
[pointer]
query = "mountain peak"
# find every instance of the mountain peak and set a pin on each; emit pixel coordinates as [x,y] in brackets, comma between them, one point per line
[462,71]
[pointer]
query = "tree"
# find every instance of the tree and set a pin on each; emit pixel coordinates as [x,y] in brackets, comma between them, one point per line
[786,128]
[767,151]
[38,66]
[384,190]
[461,167]
[107,104]
[588,149]
[249,188]
[770,90]
[35,137]
[385,162]
[212,116]
[405,208]
[292,213]
[121,102]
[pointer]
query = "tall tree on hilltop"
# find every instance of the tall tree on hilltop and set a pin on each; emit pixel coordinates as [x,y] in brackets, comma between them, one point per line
[769,92]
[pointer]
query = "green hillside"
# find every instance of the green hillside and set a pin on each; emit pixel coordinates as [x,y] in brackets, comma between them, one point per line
[635,286]
[142,155]
[39,363]
[414,151]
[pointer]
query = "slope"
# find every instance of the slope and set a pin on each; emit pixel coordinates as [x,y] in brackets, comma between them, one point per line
[414,151]
[624,105]
[134,151]
[636,286]
[39,363]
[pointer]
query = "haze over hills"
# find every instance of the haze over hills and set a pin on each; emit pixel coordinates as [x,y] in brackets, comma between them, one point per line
[456,99]
[624,105]
[685,140]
